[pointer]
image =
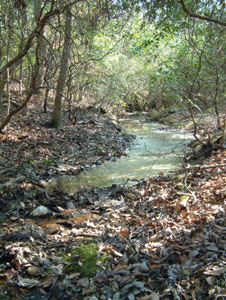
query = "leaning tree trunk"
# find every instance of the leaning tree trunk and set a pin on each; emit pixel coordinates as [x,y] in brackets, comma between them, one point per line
[33,86]
[56,115]
[8,72]
[31,91]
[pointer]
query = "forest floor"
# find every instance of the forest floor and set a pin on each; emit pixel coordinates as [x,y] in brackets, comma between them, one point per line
[163,238]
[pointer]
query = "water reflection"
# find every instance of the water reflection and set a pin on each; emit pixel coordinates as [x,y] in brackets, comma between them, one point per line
[157,150]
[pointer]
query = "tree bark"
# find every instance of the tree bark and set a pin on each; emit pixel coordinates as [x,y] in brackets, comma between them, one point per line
[56,115]
[42,44]
[32,90]
[19,108]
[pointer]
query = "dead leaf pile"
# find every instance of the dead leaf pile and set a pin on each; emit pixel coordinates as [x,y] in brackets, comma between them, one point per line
[163,238]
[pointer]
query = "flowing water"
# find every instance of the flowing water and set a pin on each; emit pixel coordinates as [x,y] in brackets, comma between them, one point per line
[157,149]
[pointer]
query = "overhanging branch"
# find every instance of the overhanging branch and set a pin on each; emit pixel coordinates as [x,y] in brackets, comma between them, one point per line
[193,15]
[38,29]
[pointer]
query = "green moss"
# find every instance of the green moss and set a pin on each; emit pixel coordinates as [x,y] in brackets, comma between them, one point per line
[84,260]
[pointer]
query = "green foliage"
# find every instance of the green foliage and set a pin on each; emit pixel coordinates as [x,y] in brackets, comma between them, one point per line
[142,54]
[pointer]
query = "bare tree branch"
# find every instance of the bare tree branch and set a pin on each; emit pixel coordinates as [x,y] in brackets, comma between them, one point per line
[193,15]
[38,29]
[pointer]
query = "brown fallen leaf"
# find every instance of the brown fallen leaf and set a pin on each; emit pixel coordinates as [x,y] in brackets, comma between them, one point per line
[124,232]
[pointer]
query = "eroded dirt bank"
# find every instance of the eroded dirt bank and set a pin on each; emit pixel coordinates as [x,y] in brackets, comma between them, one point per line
[163,238]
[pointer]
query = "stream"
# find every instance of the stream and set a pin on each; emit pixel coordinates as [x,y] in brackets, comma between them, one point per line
[157,149]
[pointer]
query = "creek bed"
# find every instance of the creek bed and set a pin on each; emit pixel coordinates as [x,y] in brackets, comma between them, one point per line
[157,149]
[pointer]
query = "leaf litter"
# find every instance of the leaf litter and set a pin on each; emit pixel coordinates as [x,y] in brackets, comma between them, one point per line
[163,238]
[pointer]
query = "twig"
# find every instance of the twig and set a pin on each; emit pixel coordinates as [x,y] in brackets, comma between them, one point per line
[223,132]
[201,17]
[205,167]
[91,235]
[183,194]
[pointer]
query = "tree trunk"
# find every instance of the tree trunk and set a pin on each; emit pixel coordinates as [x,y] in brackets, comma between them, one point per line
[31,91]
[9,71]
[29,43]
[42,44]
[56,115]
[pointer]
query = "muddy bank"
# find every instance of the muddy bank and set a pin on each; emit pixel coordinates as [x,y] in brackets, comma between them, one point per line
[32,154]
[30,148]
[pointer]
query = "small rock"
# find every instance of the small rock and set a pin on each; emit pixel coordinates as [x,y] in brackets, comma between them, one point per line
[14,218]
[40,211]
[33,271]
